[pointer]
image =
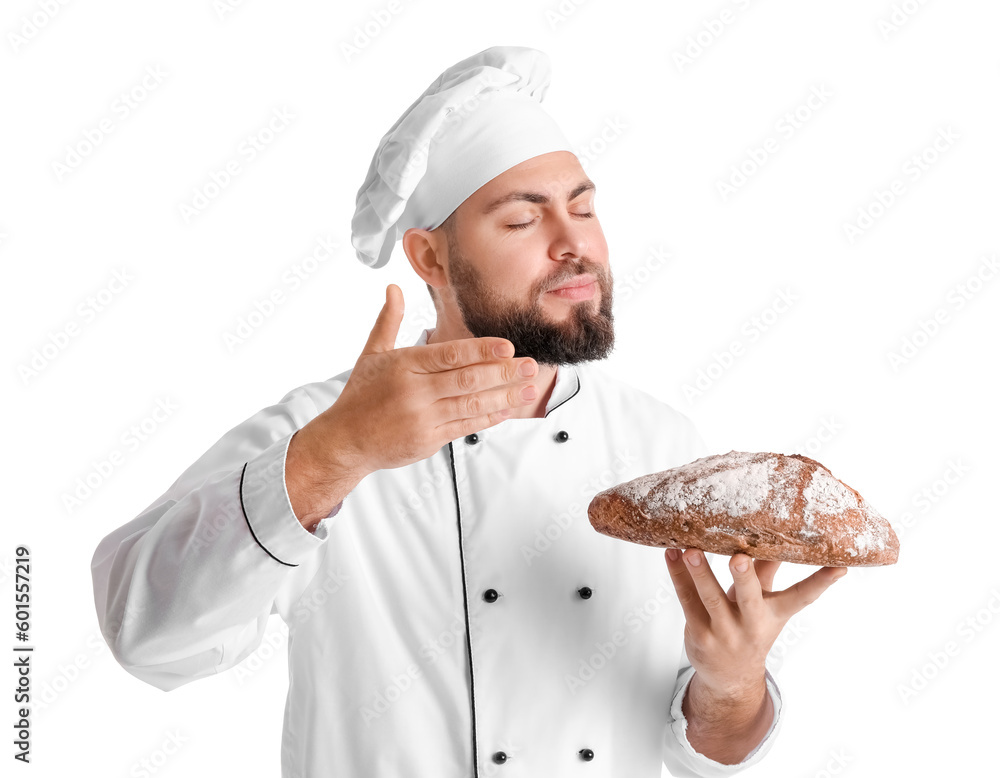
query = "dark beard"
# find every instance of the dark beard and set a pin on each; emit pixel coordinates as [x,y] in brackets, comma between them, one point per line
[585,336]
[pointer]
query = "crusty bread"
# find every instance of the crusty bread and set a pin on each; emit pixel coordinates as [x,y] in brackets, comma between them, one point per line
[768,506]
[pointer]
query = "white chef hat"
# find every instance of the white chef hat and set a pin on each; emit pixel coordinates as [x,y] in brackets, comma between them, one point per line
[480,117]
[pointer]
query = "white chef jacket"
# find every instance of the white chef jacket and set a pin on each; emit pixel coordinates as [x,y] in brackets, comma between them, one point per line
[455,617]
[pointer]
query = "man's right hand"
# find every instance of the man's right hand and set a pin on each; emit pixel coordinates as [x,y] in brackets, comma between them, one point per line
[402,405]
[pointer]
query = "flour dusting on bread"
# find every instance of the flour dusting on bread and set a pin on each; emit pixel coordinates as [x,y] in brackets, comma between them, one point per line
[770,506]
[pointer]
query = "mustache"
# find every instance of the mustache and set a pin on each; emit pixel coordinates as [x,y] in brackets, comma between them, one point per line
[600,272]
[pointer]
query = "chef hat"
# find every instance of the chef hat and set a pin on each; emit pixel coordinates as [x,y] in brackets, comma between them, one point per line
[480,117]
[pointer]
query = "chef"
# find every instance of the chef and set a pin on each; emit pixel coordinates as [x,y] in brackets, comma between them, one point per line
[420,521]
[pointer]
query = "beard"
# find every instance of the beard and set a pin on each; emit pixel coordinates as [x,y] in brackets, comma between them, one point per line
[587,333]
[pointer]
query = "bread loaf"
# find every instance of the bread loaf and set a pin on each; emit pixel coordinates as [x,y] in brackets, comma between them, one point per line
[768,506]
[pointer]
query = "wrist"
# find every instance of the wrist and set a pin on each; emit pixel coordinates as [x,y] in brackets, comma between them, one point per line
[318,475]
[328,452]
[732,687]
[736,701]
[726,728]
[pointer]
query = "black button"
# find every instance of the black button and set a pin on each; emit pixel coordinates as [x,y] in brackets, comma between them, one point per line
[490,595]
[585,592]
[586,754]
[562,436]
[472,439]
[499,757]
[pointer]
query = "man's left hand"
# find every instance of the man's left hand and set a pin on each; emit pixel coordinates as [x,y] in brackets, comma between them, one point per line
[727,634]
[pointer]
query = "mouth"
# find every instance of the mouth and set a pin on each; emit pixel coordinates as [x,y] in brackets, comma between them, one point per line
[582,287]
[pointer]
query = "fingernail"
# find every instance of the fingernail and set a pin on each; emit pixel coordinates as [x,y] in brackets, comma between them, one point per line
[500,349]
[673,554]
[741,565]
[528,393]
[694,559]
[527,368]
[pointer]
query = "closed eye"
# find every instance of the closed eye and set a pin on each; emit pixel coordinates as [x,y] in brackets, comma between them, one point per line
[528,224]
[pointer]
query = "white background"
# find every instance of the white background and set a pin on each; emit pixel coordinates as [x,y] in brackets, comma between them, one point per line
[658,135]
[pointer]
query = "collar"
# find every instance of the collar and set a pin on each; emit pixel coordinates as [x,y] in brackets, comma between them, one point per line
[567,379]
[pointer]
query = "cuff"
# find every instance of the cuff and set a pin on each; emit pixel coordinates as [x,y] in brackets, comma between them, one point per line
[322,529]
[268,509]
[335,510]
[698,764]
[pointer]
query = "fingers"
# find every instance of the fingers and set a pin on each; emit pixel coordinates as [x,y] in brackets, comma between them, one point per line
[749,598]
[454,354]
[476,390]
[766,569]
[471,406]
[793,599]
[386,329]
[698,591]
[747,587]
[467,413]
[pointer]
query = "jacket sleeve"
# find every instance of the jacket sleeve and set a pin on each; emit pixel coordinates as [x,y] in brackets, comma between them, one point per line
[185,589]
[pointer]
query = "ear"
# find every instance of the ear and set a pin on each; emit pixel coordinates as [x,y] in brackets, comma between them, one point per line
[427,252]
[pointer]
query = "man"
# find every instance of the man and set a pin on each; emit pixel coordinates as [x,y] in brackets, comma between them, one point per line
[420,521]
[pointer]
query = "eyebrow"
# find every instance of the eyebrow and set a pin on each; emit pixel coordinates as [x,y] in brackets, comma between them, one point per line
[537,198]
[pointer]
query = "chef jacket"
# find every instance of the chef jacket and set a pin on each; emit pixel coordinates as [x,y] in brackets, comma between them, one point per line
[454,617]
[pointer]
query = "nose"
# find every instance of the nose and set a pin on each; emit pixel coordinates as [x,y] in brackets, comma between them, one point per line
[570,236]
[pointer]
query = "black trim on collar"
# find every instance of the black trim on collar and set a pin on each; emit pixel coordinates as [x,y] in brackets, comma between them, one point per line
[577,374]
[254,534]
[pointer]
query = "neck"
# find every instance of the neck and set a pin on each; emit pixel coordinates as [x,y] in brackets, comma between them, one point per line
[544,380]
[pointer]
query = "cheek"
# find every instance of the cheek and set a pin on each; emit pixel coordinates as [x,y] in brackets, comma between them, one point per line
[599,245]
[502,264]
[517,270]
